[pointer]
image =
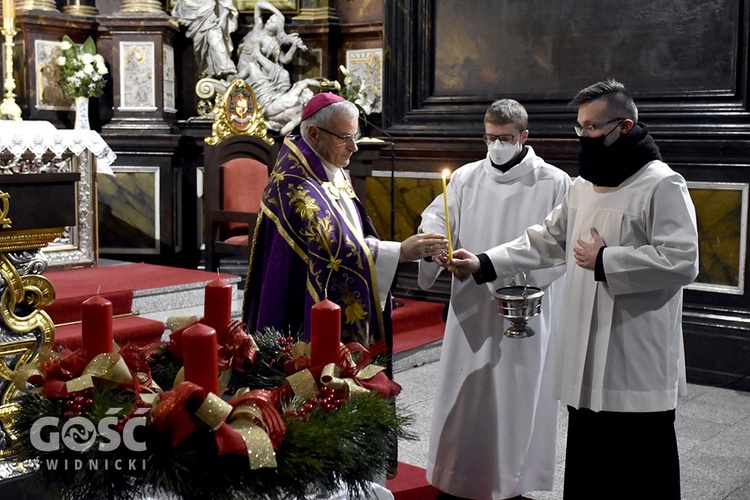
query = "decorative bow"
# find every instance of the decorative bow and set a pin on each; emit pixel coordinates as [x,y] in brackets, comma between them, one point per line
[348,376]
[240,350]
[59,375]
[247,425]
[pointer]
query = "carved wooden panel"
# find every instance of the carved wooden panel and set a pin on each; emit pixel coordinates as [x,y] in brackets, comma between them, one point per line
[684,60]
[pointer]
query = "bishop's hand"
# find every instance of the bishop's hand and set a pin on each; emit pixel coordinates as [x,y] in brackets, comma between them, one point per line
[423,245]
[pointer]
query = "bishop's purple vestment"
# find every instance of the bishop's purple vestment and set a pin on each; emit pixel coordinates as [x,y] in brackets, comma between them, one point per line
[304,246]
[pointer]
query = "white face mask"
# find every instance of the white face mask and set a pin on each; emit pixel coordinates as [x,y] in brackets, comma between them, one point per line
[502,152]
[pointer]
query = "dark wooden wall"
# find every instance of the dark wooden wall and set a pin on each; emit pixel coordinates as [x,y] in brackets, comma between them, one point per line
[685,62]
[445,61]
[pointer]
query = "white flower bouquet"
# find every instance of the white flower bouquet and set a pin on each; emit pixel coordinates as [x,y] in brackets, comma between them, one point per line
[83,70]
[356,91]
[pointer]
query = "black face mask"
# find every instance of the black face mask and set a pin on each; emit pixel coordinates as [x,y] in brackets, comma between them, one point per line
[610,165]
[596,143]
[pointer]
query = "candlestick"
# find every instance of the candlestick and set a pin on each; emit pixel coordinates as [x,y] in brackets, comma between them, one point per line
[96,326]
[9,109]
[325,333]
[200,357]
[217,308]
[9,14]
[446,172]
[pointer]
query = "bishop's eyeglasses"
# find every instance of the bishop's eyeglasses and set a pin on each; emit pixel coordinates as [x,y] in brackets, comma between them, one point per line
[345,137]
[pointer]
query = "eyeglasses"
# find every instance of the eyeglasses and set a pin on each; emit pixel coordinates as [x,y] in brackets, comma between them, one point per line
[593,127]
[490,138]
[345,137]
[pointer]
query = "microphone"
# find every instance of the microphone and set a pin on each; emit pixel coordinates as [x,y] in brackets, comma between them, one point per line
[390,138]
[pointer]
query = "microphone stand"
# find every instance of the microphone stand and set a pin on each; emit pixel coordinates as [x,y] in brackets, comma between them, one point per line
[394,302]
[363,117]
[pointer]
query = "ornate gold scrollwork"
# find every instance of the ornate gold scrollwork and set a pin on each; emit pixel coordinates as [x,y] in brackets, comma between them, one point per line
[32,292]
[238,113]
[7,416]
[4,209]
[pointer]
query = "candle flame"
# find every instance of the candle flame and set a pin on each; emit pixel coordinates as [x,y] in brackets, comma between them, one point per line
[446,173]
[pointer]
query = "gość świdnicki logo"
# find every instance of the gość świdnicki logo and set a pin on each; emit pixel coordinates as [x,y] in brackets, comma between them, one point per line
[79,434]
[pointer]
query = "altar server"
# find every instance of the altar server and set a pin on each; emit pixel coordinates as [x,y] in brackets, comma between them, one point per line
[627,233]
[494,424]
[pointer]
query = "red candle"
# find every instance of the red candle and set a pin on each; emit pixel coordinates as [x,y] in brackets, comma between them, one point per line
[325,333]
[200,357]
[96,326]
[217,308]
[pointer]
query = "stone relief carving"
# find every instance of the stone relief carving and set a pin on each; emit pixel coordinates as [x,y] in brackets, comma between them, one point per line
[262,57]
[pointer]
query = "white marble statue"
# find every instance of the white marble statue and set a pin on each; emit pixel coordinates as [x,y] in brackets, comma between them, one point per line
[262,56]
[209,24]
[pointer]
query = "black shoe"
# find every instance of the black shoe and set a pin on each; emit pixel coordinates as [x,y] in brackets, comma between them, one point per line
[447,496]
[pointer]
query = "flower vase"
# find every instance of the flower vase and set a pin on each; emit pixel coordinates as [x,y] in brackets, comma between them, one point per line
[82,114]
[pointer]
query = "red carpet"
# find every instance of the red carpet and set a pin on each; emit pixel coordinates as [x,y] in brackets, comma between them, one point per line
[410,484]
[124,277]
[116,284]
[416,323]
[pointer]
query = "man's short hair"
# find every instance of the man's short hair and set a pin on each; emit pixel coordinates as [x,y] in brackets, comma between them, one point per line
[619,100]
[323,117]
[505,111]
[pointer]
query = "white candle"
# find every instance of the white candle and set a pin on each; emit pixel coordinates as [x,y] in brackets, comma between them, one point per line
[9,13]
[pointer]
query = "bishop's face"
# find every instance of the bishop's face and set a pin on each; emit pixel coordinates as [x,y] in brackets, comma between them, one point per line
[330,143]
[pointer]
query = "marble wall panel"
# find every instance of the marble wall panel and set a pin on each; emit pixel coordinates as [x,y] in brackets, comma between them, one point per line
[137,85]
[721,210]
[129,211]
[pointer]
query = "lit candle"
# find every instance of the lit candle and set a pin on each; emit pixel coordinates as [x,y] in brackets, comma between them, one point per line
[446,172]
[9,14]
[96,326]
[325,333]
[217,308]
[200,357]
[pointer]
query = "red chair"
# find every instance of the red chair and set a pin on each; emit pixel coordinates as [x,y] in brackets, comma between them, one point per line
[238,159]
[236,173]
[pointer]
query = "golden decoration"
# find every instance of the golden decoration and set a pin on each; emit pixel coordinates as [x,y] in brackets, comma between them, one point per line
[4,209]
[11,241]
[46,5]
[32,291]
[7,418]
[238,113]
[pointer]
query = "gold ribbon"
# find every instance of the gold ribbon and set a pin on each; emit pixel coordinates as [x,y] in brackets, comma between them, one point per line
[215,411]
[106,366]
[329,377]
[303,384]
[300,349]
[22,375]
[259,448]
